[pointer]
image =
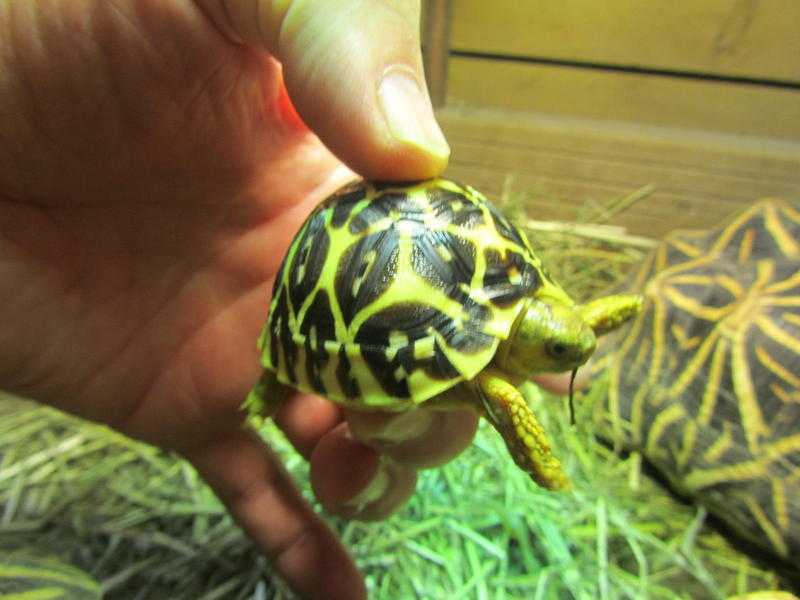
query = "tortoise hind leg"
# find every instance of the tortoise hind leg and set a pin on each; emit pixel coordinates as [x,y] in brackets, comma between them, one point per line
[265,398]
[506,409]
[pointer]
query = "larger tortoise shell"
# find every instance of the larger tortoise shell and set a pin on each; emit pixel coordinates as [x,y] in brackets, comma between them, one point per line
[706,382]
[391,294]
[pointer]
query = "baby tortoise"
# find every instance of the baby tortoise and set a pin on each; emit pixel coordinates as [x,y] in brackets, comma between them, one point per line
[395,294]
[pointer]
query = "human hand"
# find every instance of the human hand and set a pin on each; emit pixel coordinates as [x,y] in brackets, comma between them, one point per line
[152,173]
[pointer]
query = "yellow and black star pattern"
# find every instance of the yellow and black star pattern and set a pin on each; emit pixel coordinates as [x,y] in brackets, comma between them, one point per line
[390,295]
[707,380]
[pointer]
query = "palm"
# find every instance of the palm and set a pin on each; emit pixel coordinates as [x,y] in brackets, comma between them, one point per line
[150,250]
[153,310]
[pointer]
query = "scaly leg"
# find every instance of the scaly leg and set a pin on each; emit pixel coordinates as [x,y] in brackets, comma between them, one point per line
[507,410]
[606,314]
[265,398]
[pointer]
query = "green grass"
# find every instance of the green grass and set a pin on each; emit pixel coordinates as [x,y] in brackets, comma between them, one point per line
[145,526]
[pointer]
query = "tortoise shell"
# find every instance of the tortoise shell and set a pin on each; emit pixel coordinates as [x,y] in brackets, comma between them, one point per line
[706,382]
[392,293]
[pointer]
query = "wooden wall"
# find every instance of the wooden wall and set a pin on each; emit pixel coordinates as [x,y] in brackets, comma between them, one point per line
[699,99]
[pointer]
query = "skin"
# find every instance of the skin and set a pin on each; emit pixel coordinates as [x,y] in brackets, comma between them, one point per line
[152,173]
[525,438]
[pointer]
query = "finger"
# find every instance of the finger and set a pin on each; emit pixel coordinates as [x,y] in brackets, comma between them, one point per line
[305,419]
[422,438]
[352,480]
[354,72]
[558,383]
[259,493]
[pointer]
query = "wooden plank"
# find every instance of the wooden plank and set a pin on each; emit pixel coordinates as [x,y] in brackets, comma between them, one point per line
[436,47]
[560,166]
[742,38]
[659,100]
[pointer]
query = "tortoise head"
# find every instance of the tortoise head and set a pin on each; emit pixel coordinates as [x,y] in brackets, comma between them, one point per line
[553,335]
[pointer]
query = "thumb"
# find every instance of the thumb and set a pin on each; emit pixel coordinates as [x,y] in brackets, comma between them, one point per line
[354,72]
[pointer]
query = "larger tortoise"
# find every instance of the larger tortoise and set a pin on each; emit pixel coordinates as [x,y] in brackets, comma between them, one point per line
[706,382]
[391,295]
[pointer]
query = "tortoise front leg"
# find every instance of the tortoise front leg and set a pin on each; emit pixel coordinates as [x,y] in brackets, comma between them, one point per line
[507,410]
[610,312]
